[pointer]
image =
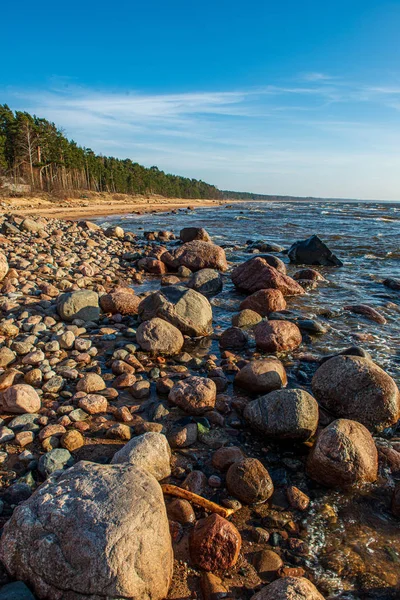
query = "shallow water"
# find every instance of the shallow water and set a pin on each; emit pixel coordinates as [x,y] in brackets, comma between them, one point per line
[366,237]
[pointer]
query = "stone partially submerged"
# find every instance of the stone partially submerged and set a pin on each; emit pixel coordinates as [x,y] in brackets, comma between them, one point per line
[257,274]
[96,532]
[313,251]
[197,255]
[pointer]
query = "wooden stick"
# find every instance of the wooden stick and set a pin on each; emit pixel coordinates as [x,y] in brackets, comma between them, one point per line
[174,490]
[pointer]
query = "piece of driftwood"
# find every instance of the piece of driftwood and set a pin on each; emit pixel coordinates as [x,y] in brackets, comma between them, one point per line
[174,490]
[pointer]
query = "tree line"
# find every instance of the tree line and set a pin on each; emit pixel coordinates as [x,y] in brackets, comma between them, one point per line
[35,152]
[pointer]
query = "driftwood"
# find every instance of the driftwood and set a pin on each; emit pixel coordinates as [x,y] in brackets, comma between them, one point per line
[174,490]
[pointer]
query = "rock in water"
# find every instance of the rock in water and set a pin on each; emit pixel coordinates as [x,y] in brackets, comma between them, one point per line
[313,251]
[207,281]
[262,376]
[197,255]
[150,452]
[95,532]
[264,302]
[214,543]
[289,588]
[344,455]
[159,337]
[188,234]
[82,305]
[194,395]
[187,309]
[257,274]
[355,388]
[3,266]
[277,336]
[284,414]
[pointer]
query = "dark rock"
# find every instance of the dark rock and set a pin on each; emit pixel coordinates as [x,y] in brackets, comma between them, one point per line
[313,251]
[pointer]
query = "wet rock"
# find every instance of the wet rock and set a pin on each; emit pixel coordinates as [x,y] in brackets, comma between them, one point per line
[83,305]
[3,266]
[313,251]
[392,283]
[16,591]
[197,255]
[149,452]
[207,281]
[268,563]
[223,458]
[184,308]
[121,301]
[289,588]
[264,302]
[246,318]
[212,587]
[256,274]
[284,414]
[159,337]
[91,530]
[214,543]
[195,395]
[308,275]
[188,234]
[234,338]
[56,459]
[115,232]
[277,336]
[344,455]
[356,388]
[249,481]
[262,376]
[366,311]
[352,351]
[19,399]
[297,499]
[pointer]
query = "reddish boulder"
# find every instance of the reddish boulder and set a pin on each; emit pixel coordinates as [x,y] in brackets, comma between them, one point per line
[264,302]
[277,336]
[308,275]
[121,301]
[152,265]
[194,395]
[256,274]
[214,543]
[197,255]
[262,376]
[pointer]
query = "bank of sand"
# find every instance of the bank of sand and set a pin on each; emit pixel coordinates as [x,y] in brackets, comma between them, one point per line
[96,205]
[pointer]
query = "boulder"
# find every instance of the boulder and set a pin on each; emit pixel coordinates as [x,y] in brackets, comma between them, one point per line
[308,275]
[55,460]
[96,531]
[355,388]
[246,318]
[274,261]
[214,543]
[262,376]
[264,302]
[152,265]
[197,255]
[19,399]
[207,281]
[188,234]
[343,456]
[159,337]
[392,283]
[31,226]
[234,338]
[195,395]
[7,357]
[150,452]
[249,481]
[313,251]
[121,301]
[187,309]
[83,305]
[277,336]
[3,266]
[366,311]
[289,588]
[284,414]
[256,274]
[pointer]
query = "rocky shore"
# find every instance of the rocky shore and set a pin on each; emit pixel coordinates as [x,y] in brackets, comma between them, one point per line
[147,454]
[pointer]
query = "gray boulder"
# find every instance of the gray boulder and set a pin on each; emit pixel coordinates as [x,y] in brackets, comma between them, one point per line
[150,452]
[207,281]
[52,461]
[83,305]
[159,337]
[95,532]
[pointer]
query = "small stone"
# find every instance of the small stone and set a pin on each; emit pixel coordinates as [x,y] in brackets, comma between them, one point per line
[93,404]
[54,460]
[249,481]
[90,382]
[214,543]
[119,431]
[72,440]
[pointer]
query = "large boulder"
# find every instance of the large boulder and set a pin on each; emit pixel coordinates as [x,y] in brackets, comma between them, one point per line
[277,336]
[289,588]
[262,376]
[355,388]
[188,234]
[83,305]
[187,309]
[284,414]
[95,532]
[197,255]
[195,395]
[159,337]
[206,281]
[313,251]
[264,302]
[257,274]
[3,266]
[150,452]
[121,301]
[20,399]
[344,455]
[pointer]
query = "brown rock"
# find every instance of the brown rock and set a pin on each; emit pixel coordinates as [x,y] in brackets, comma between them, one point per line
[197,255]
[297,499]
[188,234]
[256,274]
[159,337]
[234,338]
[72,440]
[195,482]
[267,563]
[181,511]
[366,311]
[121,301]
[214,543]
[289,588]
[249,481]
[308,275]
[93,404]
[3,266]
[152,265]
[264,302]
[277,336]
[223,458]
[19,399]
[344,455]
[262,376]
[195,395]
[246,318]
[212,587]
[90,382]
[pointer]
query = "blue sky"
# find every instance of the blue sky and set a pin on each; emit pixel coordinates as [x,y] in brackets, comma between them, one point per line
[299,98]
